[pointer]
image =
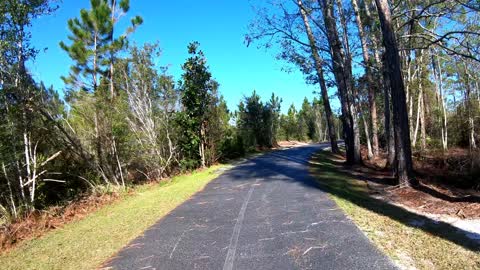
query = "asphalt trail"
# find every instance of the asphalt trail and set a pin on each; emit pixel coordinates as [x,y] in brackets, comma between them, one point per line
[266,213]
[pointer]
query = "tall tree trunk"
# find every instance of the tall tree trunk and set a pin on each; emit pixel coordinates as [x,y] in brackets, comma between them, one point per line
[423,128]
[343,77]
[437,73]
[352,92]
[318,122]
[468,106]
[403,151]
[368,73]
[321,78]
[13,207]
[419,109]
[112,55]
[385,85]
[94,70]
[367,135]
[389,132]
[202,145]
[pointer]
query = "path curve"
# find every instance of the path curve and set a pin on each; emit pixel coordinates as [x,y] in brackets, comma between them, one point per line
[265,213]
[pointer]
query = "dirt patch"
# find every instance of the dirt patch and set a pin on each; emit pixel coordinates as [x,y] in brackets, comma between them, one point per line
[291,143]
[38,223]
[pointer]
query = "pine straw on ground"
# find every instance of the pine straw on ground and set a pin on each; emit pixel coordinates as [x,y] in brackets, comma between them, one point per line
[414,241]
[38,223]
[443,189]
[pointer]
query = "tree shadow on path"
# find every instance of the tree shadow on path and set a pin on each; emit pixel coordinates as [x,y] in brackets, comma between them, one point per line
[327,175]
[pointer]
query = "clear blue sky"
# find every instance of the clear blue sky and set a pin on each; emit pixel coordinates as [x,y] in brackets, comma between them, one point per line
[219,26]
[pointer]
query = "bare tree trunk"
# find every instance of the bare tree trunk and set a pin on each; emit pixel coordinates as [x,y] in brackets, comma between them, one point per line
[423,130]
[321,78]
[325,133]
[94,71]
[468,106]
[368,73]
[343,77]
[367,135]
[403,151]
[409,95]
[419,109]
[318,122]
[117,159]
[437,73]
[202,145]
[12,200]
[389,132]
[112,57]
[352,92]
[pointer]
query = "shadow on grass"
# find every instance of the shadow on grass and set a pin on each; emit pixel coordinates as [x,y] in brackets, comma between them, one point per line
[332,178]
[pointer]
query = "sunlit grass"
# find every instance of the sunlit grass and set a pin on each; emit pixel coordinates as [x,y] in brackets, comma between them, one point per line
[387,226]
[87,243]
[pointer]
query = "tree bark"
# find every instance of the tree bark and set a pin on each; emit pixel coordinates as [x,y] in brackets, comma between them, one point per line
[321,78]
[343,77]
[112,56]
[419,106]
[368,73]
[437,73]
[468,105]
[389,132]
[423,128]
[202,145]
[367,135]
[403,151]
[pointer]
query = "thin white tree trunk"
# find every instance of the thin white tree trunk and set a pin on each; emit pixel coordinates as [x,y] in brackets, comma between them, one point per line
[367,135]
[12,200]
[419,108]
[437,73]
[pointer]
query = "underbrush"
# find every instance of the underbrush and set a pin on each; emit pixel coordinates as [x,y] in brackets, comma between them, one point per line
[31,224]
[34,224]
[457,167]
[87,242]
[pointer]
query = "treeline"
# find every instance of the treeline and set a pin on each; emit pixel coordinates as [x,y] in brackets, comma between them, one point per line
[263,125]
[404,71]
[123,119]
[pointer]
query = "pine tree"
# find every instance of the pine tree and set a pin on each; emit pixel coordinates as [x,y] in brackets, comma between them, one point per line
[93,44]
[93,49]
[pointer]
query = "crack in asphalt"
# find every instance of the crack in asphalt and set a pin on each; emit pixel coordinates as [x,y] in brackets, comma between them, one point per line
[236,231]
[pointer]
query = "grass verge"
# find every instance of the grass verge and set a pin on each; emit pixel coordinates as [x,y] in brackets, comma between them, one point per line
[410,240]
[87,243]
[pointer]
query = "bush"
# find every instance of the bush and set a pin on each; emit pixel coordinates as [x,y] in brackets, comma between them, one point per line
[232,147]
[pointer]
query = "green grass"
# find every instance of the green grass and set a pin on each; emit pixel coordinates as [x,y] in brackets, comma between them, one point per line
[87,243]
[430,246]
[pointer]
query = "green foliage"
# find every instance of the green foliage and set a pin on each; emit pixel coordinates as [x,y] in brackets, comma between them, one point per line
[204,116]
[93,44]
[304,125]
[259,122]
[196,90]
[91,241]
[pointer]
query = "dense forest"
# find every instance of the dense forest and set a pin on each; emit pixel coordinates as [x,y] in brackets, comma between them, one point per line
[123,119]
[403,71]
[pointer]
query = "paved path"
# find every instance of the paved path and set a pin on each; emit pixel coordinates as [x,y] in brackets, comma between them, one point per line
[265,213]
